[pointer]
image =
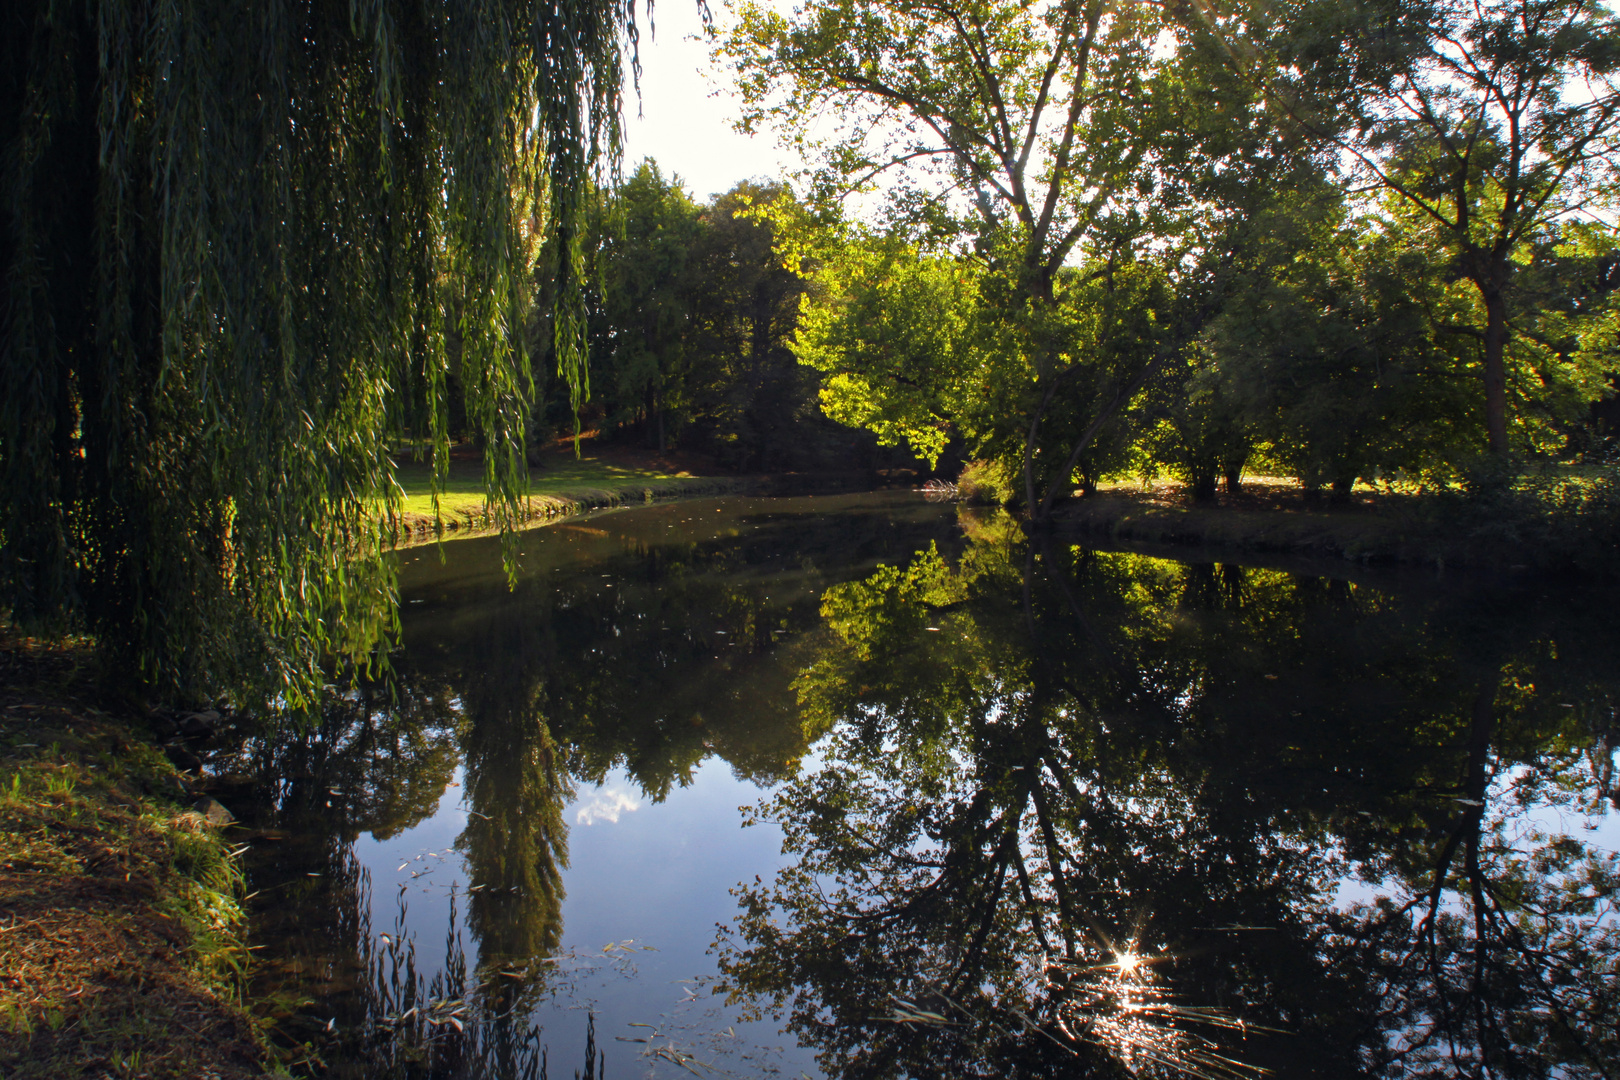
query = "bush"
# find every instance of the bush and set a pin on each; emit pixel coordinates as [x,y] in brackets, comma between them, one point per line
[1560,518]
[990,483]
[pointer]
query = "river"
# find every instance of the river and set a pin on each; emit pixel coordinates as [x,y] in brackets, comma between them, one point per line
[865,785]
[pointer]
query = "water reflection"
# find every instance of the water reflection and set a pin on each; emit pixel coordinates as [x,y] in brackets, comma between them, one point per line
[1048,810]
[621,650]
[1082,811]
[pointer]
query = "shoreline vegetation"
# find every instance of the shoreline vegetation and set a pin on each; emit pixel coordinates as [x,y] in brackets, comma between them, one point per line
[560,485]
[1559,522]
[122,934]
[1555,524]
[604,476]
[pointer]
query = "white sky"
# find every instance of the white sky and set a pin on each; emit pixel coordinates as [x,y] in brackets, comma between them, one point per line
[684,119]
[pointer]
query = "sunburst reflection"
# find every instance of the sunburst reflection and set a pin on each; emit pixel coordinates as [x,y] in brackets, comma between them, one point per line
[1124,1008]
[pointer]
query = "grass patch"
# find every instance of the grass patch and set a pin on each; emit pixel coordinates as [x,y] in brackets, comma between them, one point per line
[561,484]
[121,926]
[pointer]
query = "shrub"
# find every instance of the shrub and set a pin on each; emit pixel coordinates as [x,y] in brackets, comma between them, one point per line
[990,483]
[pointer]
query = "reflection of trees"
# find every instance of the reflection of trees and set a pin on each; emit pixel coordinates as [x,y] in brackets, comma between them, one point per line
[566,677]
[1117,838]
[675,656]
[685,651]
[395,1021]
[1503,960]
[370,763]
[515,843]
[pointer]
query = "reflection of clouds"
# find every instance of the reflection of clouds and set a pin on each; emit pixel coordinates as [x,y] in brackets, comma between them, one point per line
[606,805]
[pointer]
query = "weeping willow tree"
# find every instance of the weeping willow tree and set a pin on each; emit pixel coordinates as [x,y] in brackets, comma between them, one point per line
[245,242]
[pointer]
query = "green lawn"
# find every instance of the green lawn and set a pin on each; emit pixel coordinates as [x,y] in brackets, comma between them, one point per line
[562,484]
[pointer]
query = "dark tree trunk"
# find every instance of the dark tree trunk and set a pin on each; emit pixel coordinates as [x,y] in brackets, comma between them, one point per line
[1496,338]
[1489,272]
[1232,468]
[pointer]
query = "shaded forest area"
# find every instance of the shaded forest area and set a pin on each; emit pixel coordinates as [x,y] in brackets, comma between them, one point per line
[692,316]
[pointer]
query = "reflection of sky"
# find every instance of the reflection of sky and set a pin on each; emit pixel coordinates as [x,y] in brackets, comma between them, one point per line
[606,803]
[1527,827]
[661,876]
[1600,832]
[422,860]
[657,874]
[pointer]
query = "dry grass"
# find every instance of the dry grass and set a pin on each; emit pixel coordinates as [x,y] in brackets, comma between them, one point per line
[120,953]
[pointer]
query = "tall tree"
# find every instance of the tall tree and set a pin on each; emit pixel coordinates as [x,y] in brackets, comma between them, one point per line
[642,325]
[232,233]
[1491,121]
[1030,128]
[760,400]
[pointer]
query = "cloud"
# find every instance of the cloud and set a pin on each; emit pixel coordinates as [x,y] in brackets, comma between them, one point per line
[606,805]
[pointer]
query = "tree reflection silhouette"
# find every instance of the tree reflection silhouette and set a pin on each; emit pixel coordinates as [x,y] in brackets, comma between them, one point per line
[1082,812]
[514,842]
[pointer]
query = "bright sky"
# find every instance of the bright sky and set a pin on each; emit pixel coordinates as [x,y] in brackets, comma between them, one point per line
[685,119]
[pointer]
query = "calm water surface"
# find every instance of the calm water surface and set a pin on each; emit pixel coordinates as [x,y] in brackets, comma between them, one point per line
[864,786]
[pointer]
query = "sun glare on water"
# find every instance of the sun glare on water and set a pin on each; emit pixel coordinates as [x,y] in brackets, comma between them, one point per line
[1123,1008]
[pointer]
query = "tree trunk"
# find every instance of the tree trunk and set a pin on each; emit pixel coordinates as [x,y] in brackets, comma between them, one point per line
[1496,339]
[1232,468]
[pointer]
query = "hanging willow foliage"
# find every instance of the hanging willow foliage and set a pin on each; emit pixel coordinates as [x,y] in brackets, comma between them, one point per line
[244,243]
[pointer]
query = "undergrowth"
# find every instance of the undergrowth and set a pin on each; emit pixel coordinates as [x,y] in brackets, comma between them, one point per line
[1561,518]
[122,947]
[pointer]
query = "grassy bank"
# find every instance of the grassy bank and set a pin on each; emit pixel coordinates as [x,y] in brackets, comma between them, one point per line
[1544,525]
[560,485]
[121,947]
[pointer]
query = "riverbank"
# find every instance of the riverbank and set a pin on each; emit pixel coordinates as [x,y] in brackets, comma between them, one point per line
[602,477]
[559,486]
[1514,533]
[121,929]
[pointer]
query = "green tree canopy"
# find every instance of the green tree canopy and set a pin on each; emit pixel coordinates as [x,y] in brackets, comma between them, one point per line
[642,321]
[1490,123]
[1037,131]
[243,245]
